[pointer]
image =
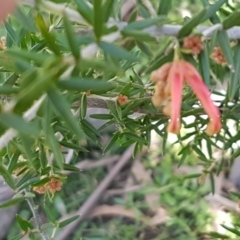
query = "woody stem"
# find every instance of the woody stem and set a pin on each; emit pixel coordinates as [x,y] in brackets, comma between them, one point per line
[36,216]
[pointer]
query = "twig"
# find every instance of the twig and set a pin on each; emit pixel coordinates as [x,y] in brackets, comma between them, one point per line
[36,217]
[112,192]
[92,200]
[89,164]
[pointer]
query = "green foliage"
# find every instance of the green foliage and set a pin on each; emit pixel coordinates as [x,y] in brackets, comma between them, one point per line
[59,60]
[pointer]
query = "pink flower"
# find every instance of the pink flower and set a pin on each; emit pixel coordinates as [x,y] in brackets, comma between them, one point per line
[169,89]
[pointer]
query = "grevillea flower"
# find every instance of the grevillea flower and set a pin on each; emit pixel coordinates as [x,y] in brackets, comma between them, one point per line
[169,80]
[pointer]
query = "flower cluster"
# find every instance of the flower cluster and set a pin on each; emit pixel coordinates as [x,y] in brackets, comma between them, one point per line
[122,99]
[53,185]
[217,56]
[193,43]
[169,80]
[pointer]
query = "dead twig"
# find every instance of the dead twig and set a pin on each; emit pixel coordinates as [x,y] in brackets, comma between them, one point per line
[92,200]
[89,164]
[112,192]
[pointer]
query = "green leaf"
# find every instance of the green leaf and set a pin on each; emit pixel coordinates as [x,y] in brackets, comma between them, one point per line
[11,34]
[12,120]
[49,213]
[235,231]
[195,175]
[212,9]
[11,202]
[72,42]
[159,62]
[83,85]
[33,91]
[41,182]
[85,10]
[225,46]
[112,107]
[232,20]
[25,21]
[24,184]
[98,19]
[7,90]
[50,136]
[217,235]
[135,137]
[138,35]
[63,108]
[17,237]
[107,9]
[90,130]
[49,37]
[139,25]
[191,24]
[164,7]
[83,107]
[7,177]
[234,83]
[102,116]
[236,194]
[114,138]
[184,152]
[37,57]
[212,183]
[144,48]
[205,65]
[70,168]
[199,152]
[117,52]
[13,162]
[73,146]
[25,225]
[68,221]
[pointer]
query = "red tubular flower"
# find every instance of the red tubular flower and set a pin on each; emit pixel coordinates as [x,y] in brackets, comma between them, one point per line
[175,80]
[180,72]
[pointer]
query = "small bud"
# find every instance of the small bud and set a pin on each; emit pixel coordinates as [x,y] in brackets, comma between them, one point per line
[88,93]
[122,99]
[194,44]
[3,42]
[54,185]
[167,109]
[217,56]
[40,189]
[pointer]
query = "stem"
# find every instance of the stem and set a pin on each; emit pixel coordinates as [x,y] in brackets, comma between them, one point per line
[36,217]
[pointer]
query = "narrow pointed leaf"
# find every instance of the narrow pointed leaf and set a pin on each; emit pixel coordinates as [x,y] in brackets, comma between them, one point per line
[85,10]
[7,177]
[11,202]
[111,142]
[164,7]
[98,18]
[191,24]
[117,52]
[68,221]
[63,108]
[18,123]
[72,42]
